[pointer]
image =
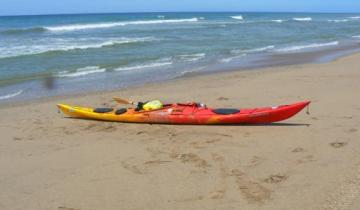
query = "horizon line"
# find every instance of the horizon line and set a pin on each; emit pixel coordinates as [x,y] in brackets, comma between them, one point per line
[103,13]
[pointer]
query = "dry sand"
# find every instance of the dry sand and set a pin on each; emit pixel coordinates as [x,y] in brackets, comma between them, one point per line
[308,162]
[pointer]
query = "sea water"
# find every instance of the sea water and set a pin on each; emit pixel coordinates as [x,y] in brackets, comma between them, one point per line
[51,55]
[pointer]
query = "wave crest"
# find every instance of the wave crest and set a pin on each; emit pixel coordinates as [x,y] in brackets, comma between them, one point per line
[76,27]
[278,21]
[302,47]
[339,20]
[144,66]
[82,72]
[11,95]
[255,50]
[15,51]
[192,57]
[303,19]
[238,17]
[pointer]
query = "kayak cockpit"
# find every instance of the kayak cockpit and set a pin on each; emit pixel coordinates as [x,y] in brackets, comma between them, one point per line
[226,111]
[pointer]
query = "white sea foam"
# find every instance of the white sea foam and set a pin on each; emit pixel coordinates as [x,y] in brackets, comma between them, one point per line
[161,16]
[302,47]
[11,95]
[227,60]
[303,19]
[278,21]
[339,21]
[76,27]
[82,72]
[66,45]
[255,50]
[192,57]
[357,36]
[355,17]
[238,17]
[144,66]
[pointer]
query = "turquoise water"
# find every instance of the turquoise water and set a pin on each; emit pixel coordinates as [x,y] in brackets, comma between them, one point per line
[62,54]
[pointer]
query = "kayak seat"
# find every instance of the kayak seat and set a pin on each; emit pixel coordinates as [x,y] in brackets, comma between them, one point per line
[120,111]
[226,111]
[103,110]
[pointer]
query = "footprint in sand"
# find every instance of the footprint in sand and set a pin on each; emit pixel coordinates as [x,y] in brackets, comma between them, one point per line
[306,159]
[157,162]
[195,159]
[139,166]
[221,186]
[140,132]
[298,149]
[219,194]
[222,98]
[352,130]
[203,144]
[196,198]
[101,127]
[255,161]
[273,179]
[65,208]
[132,165]
[338,144]
[253,191]
[17,139]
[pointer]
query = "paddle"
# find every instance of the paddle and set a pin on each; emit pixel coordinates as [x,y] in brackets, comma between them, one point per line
[123,101]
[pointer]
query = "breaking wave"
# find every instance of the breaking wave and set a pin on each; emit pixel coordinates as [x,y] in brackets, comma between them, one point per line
[192,57]
[278,21]
[76,27]
[11,95]
[302,47]
[81,72]
[339,20]
[238,17]
[144,66]
[303,19]
[14,51]
[255,50]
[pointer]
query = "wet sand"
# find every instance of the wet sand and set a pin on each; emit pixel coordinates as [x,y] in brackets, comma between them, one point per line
[308,162]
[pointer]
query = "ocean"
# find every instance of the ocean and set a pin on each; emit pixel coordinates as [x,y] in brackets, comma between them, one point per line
[52,55]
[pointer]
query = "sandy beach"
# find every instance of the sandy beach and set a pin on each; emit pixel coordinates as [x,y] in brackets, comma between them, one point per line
[311,161]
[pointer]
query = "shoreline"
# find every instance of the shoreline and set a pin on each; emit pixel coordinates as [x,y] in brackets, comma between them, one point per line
[269,62]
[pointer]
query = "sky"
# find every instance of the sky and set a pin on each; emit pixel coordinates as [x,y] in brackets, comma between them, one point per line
[33,7]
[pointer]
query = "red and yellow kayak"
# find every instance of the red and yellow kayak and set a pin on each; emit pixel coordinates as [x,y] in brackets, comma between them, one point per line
[191,113]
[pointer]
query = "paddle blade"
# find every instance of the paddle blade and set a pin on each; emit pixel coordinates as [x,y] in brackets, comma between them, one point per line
[123,101]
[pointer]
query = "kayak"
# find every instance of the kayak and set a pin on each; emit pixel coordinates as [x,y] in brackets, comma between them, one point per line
[191,114]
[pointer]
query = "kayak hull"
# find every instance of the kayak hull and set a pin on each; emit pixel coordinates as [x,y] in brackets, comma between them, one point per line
[189,114]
